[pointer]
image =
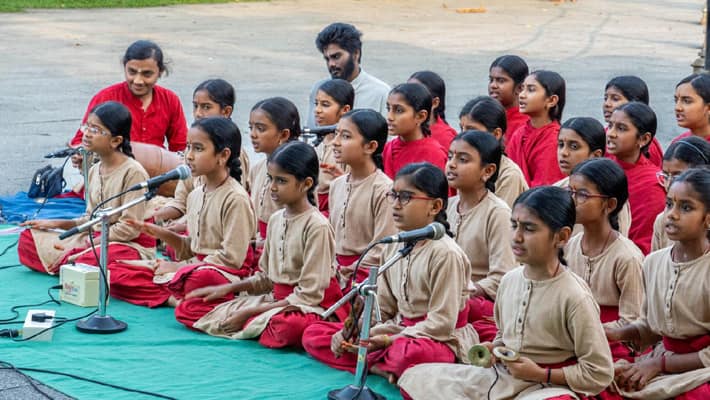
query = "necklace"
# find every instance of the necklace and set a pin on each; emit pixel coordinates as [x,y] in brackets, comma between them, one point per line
[606,243]
[556,270]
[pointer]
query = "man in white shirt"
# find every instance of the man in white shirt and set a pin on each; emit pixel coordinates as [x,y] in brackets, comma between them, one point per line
[342,50]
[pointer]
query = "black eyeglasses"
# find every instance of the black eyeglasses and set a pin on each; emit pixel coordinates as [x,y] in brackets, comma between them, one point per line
[404,197]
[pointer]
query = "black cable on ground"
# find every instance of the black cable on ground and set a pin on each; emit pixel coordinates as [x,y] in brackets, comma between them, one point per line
[81,378]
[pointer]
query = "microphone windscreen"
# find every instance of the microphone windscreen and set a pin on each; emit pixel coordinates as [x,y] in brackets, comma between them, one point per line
[183,171]
[439,230]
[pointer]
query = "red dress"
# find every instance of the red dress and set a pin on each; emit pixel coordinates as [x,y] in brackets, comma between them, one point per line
[163,119]
[685,135]
[647,199]
[398,153]
[535,152]
[443,133]
[515,119]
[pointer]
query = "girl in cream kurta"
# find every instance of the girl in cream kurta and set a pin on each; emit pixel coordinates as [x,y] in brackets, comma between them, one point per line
[360,215]
[220,221]
[333,98]
[359,212]
[297,279]
[421,297]
[544,312]
[480,220]
[609,262]
[116,171]
[296,267]
[676,313]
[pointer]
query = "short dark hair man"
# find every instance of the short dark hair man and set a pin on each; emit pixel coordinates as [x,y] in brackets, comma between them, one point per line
[341,47]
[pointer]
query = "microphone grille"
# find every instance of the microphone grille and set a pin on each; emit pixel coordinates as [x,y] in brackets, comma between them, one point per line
[183,171]
[439,230]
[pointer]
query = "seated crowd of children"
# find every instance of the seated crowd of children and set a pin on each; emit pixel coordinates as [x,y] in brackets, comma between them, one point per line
[578,244]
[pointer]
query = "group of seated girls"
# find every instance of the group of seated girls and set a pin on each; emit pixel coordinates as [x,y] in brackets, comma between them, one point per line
[563,273]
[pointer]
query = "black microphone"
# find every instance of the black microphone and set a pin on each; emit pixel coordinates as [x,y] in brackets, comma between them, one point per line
[319,130]
[69,151]
[181,172]
[434,231]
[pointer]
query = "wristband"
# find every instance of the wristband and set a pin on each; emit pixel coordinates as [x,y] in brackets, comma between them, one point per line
[549,375]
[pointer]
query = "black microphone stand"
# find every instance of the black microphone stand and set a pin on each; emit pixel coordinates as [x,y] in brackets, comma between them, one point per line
[367,288]
[103,323]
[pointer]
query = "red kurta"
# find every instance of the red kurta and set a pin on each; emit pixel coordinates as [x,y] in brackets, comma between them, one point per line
[535,152]
[163,119]
[515,119]
[646,199]
[685,135]
[443,133]
[655,152]
[398,153]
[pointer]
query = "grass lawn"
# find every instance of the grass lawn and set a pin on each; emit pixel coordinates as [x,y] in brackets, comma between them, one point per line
[20,5]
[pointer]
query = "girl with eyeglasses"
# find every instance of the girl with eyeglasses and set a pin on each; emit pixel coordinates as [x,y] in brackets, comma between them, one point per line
[107,134]
[422,297]
[609,262]
[545,313]
[688,152]
[580,139]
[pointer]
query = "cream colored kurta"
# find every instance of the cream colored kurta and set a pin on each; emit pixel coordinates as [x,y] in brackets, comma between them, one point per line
[360,215]
[298,251]
[676,306]
[511,181]
[220,225]
[182,190]
[429,282]
[547,321]
[326,156]
[624,214]
[483,233]
[101,187]
[660,239]
[614,276]
[260,185]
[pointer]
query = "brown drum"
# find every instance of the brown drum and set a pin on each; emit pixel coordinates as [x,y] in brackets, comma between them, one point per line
[156,161]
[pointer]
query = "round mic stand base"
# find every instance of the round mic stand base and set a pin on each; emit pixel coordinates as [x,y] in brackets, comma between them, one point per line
[101,324]
[352,392]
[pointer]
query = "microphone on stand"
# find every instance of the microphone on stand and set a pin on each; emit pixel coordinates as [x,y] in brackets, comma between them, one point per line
[319,130]
[69,151]
[181,172]
[434,231]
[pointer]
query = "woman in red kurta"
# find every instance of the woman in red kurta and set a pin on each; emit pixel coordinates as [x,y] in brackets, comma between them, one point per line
[534,146]
[621,90]
[631,128]
[692,106]
[156,112]
[505,82]
[440,129]
[408,109]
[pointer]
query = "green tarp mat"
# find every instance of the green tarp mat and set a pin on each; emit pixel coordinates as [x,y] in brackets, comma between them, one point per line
[156,353]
